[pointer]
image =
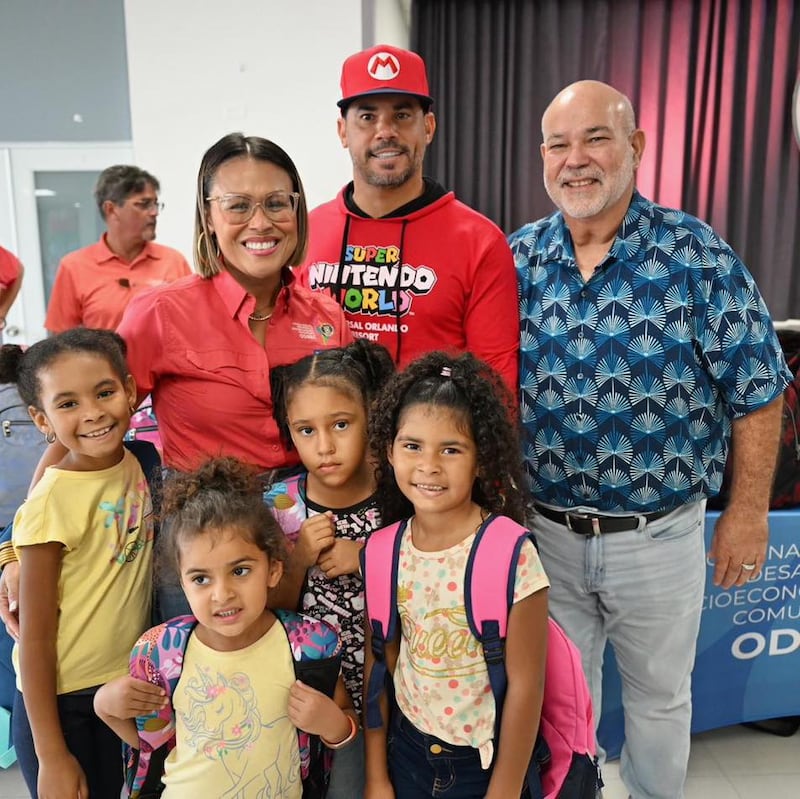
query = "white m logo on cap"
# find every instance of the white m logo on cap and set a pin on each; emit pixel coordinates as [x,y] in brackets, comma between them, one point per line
[383,66]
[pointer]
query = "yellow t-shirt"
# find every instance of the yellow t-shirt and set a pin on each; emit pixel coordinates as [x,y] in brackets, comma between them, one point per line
[441,680]
[233,735]
[104,520]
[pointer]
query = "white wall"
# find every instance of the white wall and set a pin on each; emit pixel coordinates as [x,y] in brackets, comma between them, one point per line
[199,69]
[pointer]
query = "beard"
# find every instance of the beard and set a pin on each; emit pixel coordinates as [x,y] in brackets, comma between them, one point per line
[369,168]
[386,179]
[605,194]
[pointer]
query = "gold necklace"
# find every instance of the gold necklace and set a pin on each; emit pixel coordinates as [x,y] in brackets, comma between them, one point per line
[254,317]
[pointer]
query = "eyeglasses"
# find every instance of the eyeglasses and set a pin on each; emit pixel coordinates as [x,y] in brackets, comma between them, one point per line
[149,205]
[278,206]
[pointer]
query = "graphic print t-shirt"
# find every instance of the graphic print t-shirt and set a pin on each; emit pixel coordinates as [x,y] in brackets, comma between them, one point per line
[340,601]
[104,523]
[234,737]
[441,680]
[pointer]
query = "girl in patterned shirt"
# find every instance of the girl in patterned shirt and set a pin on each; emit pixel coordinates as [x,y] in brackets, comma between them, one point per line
[321,405]
[448,462]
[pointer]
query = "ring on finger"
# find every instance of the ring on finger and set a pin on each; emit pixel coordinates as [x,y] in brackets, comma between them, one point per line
[749,566]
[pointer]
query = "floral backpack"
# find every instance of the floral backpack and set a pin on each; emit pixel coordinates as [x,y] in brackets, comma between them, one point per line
[287,501]
[157,658]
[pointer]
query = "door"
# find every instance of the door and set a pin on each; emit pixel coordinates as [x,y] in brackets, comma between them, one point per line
[53,212]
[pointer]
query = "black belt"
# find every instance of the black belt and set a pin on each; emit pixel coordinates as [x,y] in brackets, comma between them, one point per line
[591,524]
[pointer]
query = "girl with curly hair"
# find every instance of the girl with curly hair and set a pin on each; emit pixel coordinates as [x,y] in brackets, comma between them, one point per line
[448,463]
[237,705]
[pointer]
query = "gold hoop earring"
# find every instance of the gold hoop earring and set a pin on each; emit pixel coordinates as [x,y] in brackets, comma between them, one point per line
[50,437]
[200,257]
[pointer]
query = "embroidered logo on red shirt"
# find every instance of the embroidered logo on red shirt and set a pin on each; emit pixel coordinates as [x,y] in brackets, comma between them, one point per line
[325,330]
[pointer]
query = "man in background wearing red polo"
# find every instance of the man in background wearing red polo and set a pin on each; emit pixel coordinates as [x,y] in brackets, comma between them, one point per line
[94,285]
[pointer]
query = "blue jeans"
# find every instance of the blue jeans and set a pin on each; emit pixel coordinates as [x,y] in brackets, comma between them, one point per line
[347,773]
[94,745]
[642,590]
[424,767]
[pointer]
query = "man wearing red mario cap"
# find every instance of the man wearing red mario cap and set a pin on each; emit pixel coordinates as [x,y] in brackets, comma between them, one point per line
[413,268]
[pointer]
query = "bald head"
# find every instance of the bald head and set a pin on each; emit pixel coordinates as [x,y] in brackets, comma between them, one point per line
[595,96]
[591,150]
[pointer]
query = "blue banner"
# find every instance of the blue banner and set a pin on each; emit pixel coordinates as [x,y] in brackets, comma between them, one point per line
[747,666]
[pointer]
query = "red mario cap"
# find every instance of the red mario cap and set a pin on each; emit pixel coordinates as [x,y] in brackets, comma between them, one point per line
[384,69]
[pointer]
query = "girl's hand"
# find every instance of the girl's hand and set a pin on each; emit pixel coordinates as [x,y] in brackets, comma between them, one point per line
[316,534]
[126,697]
[61,777]
[341,558]
[317,714]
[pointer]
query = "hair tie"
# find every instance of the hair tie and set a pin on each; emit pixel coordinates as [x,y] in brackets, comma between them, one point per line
[446,371]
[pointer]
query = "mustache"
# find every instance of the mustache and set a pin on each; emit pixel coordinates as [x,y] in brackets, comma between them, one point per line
[579,175]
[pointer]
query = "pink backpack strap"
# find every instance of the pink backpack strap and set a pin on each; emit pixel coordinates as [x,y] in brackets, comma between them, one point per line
[379,567]
[379,561]
[157,658]
[317,655]
[489,594]
[491,563]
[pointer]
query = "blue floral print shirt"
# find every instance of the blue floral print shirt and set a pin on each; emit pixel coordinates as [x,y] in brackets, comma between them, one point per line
[629,381]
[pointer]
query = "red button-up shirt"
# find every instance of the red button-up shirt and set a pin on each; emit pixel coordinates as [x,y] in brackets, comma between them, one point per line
[190,346]
[93,285]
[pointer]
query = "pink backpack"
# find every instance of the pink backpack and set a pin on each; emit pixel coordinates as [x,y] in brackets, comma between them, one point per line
[563,765]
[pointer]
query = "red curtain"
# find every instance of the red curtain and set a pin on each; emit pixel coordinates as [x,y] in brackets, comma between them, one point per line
[711,82]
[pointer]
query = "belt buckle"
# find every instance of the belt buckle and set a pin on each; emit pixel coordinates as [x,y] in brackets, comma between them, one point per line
[595,522]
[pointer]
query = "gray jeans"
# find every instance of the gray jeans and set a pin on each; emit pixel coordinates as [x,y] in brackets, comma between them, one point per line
[642,590]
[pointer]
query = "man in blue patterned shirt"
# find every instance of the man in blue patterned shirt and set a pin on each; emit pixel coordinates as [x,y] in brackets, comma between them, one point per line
[645,348]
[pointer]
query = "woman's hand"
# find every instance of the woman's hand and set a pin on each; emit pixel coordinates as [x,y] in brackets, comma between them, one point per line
[317,714]
[61,777]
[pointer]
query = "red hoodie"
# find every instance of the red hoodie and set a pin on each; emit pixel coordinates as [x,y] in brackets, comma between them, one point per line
[442,273]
